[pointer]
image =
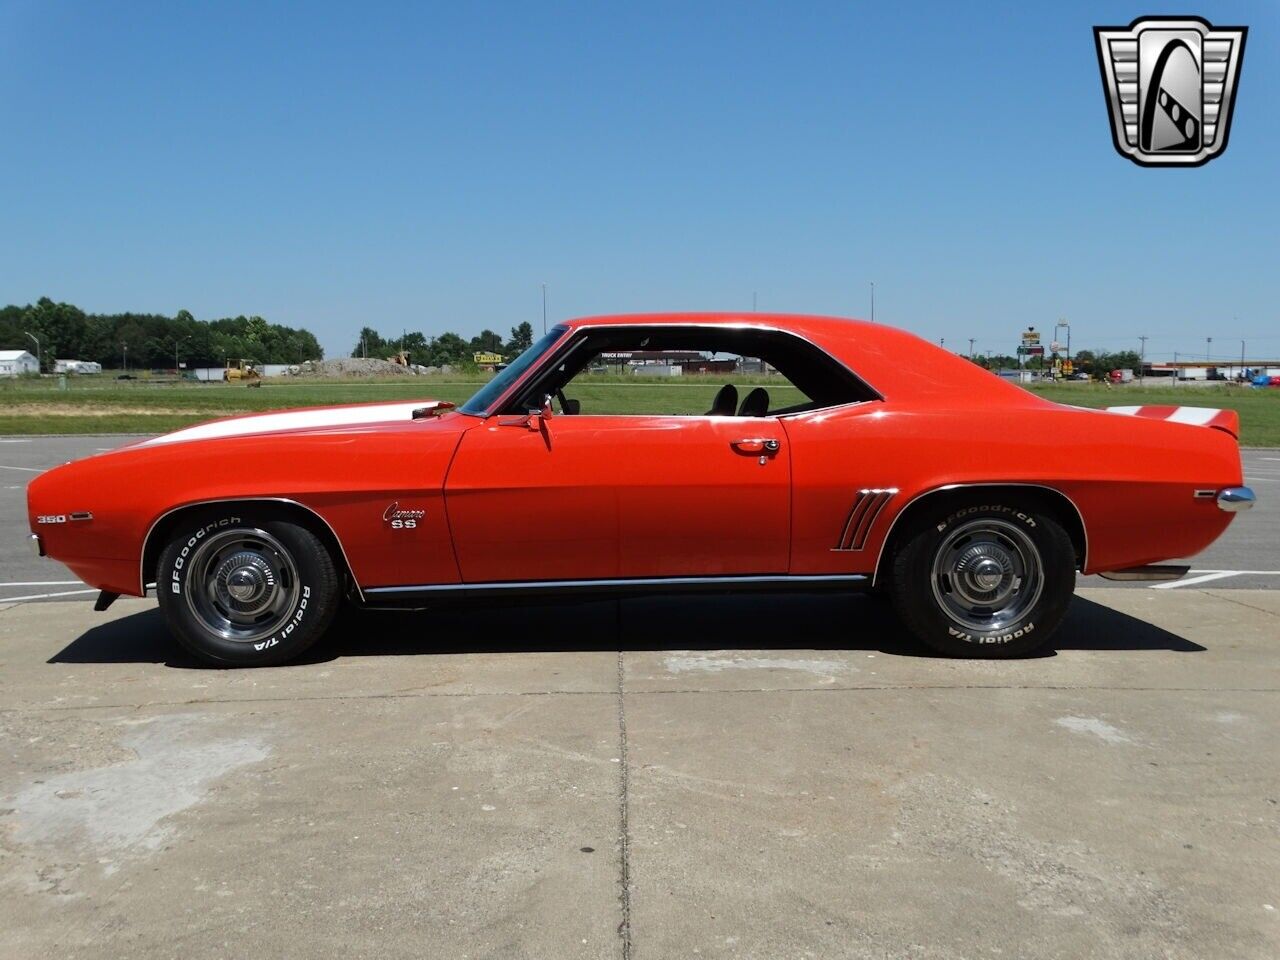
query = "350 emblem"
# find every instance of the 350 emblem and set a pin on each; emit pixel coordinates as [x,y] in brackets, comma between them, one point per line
[402,519]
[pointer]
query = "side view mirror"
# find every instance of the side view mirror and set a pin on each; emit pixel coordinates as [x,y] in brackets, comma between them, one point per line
[533,418]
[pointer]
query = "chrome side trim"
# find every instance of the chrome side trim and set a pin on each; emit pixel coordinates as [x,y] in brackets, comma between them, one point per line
[862,517]
[1235,499]
[622,583]
[1152,571]
[1084,557]
[142,574]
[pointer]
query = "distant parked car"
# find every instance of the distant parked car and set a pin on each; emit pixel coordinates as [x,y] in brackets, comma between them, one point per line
[126,376]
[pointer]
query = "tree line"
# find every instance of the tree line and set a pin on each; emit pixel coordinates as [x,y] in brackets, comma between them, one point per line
[447,348]
[65,331]
[1095,363]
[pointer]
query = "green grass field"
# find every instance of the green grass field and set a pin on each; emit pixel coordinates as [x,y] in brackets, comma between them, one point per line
[105,405]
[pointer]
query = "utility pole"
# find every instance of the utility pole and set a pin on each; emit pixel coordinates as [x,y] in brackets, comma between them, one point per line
[176,341]
[1241,359]
[544,309]
[971,348]
[124,355]
[1208,342]
[873,301]
[39,359]
[1142,360]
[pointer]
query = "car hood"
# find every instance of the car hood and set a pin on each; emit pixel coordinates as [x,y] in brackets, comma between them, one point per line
[302,420]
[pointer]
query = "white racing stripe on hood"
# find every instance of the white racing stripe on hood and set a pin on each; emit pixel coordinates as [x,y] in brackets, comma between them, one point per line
[295,420]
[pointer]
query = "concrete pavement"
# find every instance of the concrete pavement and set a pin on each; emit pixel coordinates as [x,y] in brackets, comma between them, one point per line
[774,777]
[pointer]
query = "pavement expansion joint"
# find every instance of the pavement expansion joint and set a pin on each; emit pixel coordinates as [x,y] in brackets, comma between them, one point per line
[624,824]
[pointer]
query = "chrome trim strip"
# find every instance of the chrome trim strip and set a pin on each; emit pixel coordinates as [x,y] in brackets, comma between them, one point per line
[608,583]
[1084,559]
[1152,571]
[142,576]
[1235,499]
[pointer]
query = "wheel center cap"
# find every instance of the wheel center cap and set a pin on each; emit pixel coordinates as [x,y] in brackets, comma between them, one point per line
[245,583]
[987,574]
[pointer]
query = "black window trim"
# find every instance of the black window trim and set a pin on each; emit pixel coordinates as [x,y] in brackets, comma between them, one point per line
[578,335]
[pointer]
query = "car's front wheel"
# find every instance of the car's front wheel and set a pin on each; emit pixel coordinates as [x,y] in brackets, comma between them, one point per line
[241,588]
[986,579]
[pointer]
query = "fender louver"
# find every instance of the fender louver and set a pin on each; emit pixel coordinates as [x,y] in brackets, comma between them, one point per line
[866,507]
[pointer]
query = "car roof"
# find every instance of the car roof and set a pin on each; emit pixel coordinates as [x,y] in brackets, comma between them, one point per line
[894,362]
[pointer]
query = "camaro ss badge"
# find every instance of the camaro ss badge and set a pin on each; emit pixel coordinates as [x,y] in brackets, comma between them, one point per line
[402,518]
[1170,84]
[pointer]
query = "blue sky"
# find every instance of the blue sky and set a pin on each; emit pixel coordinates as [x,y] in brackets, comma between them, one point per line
[429,165]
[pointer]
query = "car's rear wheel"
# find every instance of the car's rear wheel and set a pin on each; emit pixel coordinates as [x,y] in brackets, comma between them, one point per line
[988,579]
[242,588]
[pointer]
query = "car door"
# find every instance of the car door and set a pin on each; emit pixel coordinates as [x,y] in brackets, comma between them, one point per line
[606,497]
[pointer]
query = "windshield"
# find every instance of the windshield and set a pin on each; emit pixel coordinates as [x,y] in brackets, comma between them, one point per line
[485,397]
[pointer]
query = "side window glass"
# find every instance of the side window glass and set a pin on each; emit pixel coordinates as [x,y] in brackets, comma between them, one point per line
[645,382]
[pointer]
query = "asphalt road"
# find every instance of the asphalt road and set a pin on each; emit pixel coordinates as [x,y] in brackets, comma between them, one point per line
[1246,557]
[779,777]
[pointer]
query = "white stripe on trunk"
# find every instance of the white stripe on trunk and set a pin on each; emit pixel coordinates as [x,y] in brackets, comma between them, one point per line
[1194,415]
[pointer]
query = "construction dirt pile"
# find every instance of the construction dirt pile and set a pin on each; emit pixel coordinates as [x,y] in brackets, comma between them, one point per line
[354,367]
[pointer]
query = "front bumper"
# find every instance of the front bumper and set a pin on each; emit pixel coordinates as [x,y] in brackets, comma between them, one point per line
[1235,499]
[37,545]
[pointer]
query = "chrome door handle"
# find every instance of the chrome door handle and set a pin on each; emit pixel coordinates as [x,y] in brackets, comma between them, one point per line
[756,445]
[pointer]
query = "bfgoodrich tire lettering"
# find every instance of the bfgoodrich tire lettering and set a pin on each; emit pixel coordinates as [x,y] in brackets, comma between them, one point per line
[241,588]
[989,578]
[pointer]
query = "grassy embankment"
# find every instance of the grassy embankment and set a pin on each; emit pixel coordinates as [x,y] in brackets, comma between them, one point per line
[105,405]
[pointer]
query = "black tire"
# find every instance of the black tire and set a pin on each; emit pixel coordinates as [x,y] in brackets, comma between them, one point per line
[991,578]
[239,587]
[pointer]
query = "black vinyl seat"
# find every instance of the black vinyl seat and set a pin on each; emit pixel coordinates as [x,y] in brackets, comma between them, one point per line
[756,403]
[725,401]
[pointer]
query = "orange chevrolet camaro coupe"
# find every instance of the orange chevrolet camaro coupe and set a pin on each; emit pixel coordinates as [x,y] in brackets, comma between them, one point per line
[856,456]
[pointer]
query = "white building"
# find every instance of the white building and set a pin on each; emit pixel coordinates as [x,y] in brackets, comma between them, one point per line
[76,366]
[14,363]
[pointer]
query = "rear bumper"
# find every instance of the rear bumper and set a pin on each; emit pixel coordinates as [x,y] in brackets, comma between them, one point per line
[36,544]
[1235,499]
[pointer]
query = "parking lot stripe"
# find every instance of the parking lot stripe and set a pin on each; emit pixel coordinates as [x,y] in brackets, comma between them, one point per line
[45,596]
[24,469]
[40,583]
[1204,576]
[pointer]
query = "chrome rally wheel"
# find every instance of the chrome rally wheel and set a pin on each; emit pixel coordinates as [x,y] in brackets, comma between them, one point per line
[241,587]
[243,584]
[987,574]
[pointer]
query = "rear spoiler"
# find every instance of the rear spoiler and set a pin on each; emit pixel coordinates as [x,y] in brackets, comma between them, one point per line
[1228,421]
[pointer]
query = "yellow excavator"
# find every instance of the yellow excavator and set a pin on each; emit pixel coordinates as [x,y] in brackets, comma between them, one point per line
[241,370]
